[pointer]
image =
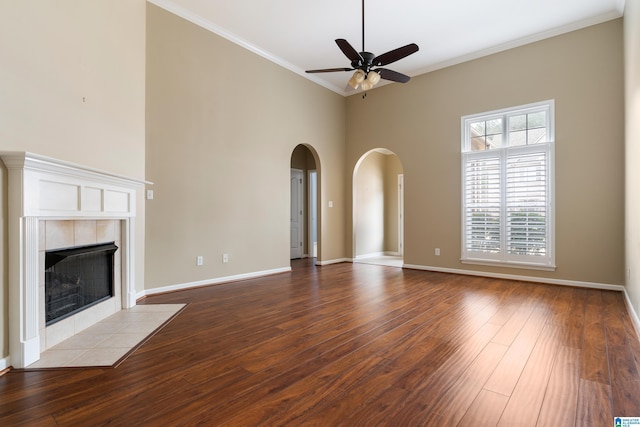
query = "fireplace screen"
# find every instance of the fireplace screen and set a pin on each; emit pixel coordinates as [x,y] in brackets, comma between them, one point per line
[77,278]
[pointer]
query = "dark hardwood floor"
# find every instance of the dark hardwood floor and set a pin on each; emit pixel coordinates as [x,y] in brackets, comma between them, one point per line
[358,345]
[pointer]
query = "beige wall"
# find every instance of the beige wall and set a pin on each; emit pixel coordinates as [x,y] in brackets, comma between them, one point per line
[632,195]
[222,124]
[393,168]
[376,203]
[72,87]
[369,204]
[420,122]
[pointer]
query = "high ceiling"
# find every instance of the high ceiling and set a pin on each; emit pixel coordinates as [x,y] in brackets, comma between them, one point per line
[299,35]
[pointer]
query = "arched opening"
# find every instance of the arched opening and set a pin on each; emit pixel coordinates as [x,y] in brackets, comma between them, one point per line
[305,212]
[378,208]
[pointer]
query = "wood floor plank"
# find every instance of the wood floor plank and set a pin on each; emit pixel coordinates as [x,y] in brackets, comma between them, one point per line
[427,392]
[485,411]
[594,404]
[595,365]
[358,345]
[513,326]
[561,397]
[526,400]
[450,407]
[506,375]
[574,323]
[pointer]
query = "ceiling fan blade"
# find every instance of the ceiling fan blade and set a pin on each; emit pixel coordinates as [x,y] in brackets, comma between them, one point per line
[348,50]
[394,76]
[396,54]
[328,70]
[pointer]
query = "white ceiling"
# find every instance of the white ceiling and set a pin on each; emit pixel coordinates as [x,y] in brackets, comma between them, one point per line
[299,35]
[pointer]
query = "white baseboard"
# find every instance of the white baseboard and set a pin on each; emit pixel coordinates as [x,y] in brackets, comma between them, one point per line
[632,313]
[547,280]
[334,261]
[207,282]
[371,255]
[4,363]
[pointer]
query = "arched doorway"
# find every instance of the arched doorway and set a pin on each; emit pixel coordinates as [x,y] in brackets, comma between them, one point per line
[378,208]
[304,207]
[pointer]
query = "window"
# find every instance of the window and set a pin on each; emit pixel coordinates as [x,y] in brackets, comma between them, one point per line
[507,187]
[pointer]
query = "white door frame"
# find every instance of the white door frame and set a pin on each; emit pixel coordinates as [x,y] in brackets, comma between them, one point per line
[401,214]
[313,211]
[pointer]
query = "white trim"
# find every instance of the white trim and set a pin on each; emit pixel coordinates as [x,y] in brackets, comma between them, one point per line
[545,280]
[310,229]
[371,255]
[334,261]
[400,187]
[491,263]
[198,20]
[208,282]
[5,363]
[632,313]
[39,163]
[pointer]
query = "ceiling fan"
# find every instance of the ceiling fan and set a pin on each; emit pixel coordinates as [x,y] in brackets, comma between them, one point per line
[364,62]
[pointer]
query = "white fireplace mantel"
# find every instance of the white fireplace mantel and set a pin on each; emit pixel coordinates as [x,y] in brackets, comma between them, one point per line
[42,188]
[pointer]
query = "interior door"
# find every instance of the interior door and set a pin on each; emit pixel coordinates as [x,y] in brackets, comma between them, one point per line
[297,206]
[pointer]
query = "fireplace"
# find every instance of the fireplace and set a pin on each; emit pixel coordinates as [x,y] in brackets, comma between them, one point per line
[77,278]
[53,205]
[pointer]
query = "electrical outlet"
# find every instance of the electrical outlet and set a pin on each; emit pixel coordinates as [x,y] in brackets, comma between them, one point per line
[199,260]
[437,251]
[225,258]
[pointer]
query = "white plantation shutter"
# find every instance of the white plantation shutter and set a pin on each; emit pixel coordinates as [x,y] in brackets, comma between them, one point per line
[482,204]
[527,203]
[507,193]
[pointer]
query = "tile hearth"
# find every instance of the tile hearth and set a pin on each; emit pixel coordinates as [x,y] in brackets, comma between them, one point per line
[106,342]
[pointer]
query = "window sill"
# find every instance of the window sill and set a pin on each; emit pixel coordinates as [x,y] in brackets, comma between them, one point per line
[521,265]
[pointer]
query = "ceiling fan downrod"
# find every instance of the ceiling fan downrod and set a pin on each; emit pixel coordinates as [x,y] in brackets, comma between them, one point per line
[363,26]
[367,66]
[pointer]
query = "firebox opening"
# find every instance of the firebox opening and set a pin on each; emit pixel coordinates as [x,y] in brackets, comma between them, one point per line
[77,278]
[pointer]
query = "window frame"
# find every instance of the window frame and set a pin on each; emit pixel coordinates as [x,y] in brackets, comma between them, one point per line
[504,153]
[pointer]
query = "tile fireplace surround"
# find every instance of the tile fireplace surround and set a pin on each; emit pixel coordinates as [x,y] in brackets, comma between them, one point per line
[54,204]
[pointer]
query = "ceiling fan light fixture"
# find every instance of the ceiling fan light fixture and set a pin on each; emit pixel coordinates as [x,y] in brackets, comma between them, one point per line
[357,78]
[362,62]
[373,77]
